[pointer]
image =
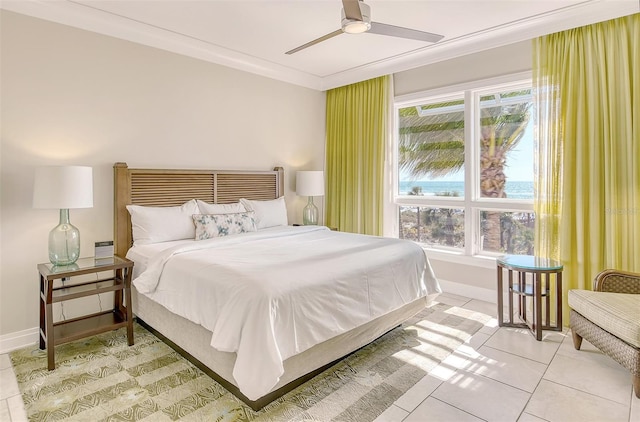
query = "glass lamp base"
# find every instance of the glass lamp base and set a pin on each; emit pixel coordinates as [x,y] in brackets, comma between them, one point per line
[310,214]
[64,241]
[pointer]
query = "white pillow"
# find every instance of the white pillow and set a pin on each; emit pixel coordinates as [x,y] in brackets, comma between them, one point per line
[162,224]
[216,225]
[268,213]
[207,208]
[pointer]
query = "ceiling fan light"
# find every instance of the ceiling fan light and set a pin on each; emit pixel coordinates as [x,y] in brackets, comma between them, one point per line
[355,27]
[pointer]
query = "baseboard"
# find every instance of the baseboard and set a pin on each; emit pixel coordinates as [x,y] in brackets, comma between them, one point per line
[19,339]
[461,289]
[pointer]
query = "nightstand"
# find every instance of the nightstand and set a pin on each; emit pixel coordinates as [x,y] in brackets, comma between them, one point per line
[118,280]
[544,274]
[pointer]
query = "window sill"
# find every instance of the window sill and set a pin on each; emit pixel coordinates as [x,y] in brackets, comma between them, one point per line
[458,258]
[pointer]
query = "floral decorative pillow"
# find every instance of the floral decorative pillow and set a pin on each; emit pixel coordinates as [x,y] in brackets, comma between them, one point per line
[209,226]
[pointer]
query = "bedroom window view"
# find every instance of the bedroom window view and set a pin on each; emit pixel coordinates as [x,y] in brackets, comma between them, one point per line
[431,149]
[434,138]
[514,235]
[504,120]
[435,226]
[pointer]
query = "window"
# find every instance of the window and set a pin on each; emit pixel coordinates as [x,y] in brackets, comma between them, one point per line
[463,168]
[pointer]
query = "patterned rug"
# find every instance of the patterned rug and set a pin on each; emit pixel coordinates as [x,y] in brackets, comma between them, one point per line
[102,379]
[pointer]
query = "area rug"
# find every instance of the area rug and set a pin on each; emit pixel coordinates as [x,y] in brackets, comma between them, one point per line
[102,379]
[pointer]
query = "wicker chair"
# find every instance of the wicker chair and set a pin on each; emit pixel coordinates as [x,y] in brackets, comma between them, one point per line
[620,314]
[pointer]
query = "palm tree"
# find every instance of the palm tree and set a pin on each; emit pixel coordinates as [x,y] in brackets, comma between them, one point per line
[416,191]
[449,226]
[502,127]
[433,145]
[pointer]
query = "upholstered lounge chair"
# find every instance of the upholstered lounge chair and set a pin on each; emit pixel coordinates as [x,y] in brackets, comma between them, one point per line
[609,318]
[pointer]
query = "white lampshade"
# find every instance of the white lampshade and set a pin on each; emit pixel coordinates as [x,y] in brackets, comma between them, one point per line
[310,183]
[63,187]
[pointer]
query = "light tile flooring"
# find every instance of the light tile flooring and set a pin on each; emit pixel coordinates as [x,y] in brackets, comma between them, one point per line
[500,374]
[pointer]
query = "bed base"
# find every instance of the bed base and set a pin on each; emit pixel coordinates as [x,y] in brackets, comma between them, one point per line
[256,405]
[192,341]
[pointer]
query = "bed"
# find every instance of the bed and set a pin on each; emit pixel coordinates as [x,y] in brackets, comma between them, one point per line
[257,304]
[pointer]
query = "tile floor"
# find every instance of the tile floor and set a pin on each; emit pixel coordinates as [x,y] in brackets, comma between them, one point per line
[501,374]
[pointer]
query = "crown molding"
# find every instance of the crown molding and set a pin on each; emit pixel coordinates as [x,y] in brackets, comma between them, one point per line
[87,18]
[581,14]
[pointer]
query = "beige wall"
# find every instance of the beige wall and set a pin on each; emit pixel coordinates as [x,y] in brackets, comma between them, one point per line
[512,58]
[474,280]
[76,97]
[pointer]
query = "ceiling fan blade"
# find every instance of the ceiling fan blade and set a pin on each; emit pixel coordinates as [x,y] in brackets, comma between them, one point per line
[352,9]
[398,31]
[316,41]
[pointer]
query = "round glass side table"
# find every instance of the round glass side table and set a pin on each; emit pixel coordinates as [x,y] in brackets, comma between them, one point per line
[536,278]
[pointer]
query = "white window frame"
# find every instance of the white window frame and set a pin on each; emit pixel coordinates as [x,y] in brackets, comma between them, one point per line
[471,203]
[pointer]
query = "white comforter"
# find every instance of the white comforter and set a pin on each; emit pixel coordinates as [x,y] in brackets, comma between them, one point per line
[271,294]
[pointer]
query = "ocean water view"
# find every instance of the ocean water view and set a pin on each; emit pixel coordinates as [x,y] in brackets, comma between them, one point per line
[514,189]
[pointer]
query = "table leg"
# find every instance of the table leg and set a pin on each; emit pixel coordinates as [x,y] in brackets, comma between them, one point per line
[51,364]
[510,297]
[129,308]
[522,299]
[43,327]
[547,278]
[537,311]
[500,310]
[117,295]
[559,300]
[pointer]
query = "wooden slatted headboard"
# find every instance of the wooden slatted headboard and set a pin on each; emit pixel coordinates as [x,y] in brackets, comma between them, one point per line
[171,187]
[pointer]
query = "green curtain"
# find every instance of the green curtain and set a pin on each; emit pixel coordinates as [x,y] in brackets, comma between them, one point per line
[356,131]
[587,201]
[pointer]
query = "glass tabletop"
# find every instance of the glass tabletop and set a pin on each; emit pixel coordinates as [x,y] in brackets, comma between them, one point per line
[81,265]
[528,262]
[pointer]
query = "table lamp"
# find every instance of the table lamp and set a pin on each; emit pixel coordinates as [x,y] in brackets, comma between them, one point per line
[310,183]
[63,187]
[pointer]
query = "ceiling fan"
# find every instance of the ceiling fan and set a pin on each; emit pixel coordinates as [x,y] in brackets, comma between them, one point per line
[356,19]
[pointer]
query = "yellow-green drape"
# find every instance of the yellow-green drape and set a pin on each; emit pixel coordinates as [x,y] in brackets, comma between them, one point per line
[587,204]
[356,131]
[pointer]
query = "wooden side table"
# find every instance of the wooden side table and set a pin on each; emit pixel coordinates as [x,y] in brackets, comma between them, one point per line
[119,282]
[537,286]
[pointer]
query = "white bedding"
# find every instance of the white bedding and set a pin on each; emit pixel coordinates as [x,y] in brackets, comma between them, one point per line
[143,253]
[271,294]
